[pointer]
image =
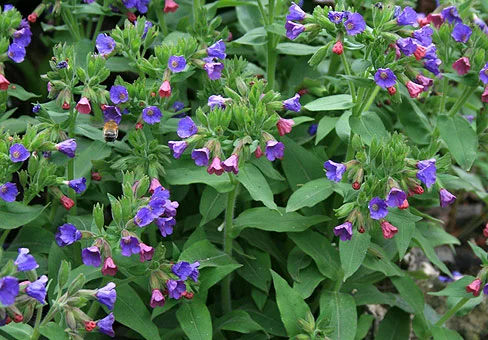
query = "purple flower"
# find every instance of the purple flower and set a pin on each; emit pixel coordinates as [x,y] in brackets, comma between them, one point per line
[160,192]
[334,170]
[36,108]
[395,197]
[178,106]
[446,198]
[295,13]
[141,5]
[293,30]
[9,289]
[107,295]
[22,37]
[406,46]
[217,50]
[146,252]
[129,3]
[432,65]
[385,78]
[25,261]
[186,270]
[170,208]
[112,113]
[37,289]
[216,100]
[178,147]
[151,115]
[175,288]
[78,185]
[157,299]
[8,7]
[481,24]
[18,153]
[16,52]
[91,256]
[67,234]
[118,94]
[129,245]
[427,172]
[484,74]
[68,147]
[8,192]
[377,208]
[214,70]
[274,150]
[157,205]
[451,15]
[461,33]
[201,156]
[147,26]
[105,44]
[335,17]
[293,103]
[231,164]
[165,225]
[143,217]
[105,325]
[355,24]
[424,35]
[176,63]
[62,64]
[344,231]
[485,288]
[186,128]
[407,17]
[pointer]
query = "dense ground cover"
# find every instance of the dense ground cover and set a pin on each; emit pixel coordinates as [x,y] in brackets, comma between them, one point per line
[242,169]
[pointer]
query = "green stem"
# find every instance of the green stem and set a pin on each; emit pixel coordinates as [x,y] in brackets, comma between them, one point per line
[98,27]
[71,162]
[36,333]
[229,216]
[442,106]
[452,311]
[196,11]
[4,236]
[462,99]
[347,68]
[367,105]
[52,312]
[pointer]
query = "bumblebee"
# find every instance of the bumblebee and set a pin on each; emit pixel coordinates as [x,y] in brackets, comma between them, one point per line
[110,131]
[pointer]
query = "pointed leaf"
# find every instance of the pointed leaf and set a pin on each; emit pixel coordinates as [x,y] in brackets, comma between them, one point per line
[194,319]
[310,194]
[340,309]
[353,252]
[331,103]
[254,181]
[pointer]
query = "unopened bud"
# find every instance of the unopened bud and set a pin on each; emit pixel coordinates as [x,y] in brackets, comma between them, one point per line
[18,318]
[356,186]
[96,176]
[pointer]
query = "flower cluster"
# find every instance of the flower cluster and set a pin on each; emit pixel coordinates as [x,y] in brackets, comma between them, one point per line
[21,34]
[213,62]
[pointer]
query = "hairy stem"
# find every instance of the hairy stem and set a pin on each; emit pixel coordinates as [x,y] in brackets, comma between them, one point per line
[347,68]
[71,162]
[462,99]
[36,332]
[452,311]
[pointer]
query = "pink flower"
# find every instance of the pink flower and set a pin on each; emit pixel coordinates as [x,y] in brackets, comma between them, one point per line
[388,229]
[154,185]
[461,66]
[4,83]
[165,89]
[258,153]
[284,126]
[109,267]
[420,52]
[170,6]
[83,106]
[484,95]
[215,167]
[157,299]
[146,252]
[414,89]
[474,287]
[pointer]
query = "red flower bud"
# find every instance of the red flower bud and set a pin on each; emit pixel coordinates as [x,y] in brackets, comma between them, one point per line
[66,106]
[418,190]
[338,48]
[404,205]
[103,107]
[420,52]
[90,325]
[258,153]
[131,16]
[388,229]
[474,287]
[170,6]
[18,318]
[165,89]
[32,17]
[361,230]
[301,92]
[96,176]
[8,320]
[67,202]
[139,126]
[356,185]
[485,231]
[4,83]
[109,267]
[189,295]
[392,90]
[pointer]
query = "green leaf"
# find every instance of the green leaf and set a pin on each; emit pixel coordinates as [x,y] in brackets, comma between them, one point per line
[254,181]
[291,305]
[266,167]
[456,288]
[309,279]
[343,129]
[18,124]
[461,139]
[297,260]
[118,64]
[368,294]
[441,333]
[331,103]
[429,251]
[325,126]
[96,150]
[53,331]
[272,220]
[340,309]
[364,324]
[130,311]
[17,91]
[212,203]
[310,194]
[353,252]
[410,292]
[296,49]
[368,126]
[238,321]
[37,239]
[20,331]
[256,36]
[414,121]
[15,214]
[194,319]
[212,275]
[318,247]
[395,326]
[377,259]
[256,271]
[206,253]
[405,222]
[479,252]
[269,318]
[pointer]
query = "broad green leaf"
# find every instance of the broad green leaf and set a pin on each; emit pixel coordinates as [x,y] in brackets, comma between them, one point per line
[441,333]
[395,326]
[16,214]
[353,252]
[184,172]
[256,271]
[309,279]
[320,250]
[119,64]
[290,48]
[368,294]
[19,331]
[310,194]
[410,292]
[291,305]
[297,260]
[266,167]
[415,124]
[17,91]
[53,331]
[461,139]
[377,259]
[130,311]
[259,297]
[269,318]
[37,239]
[364,324]
[212,203]
[368,126]
[256,36]
[96,150]
[325,126]
[194,319]
[340,309]
[479,252]
[17,125]
[331,103]
[205,253]
[405,222]
[210,276]
[237,321]
[254,181]
[436,235]
[272,220]
[456,288]
[429,251]
[343,129]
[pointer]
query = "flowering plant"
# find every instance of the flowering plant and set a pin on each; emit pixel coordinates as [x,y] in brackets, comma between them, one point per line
[229,169]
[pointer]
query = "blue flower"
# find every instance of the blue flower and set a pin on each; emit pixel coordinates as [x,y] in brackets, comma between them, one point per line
[165,225]
[217,50]
[274,150]
[176,63]
[68,147]
[8,192]
[151,115]
[293,30]
[185,270]
[344,231]
[385,78]
[407,17]
[186,128]
[119,94]
[9,289]
[67,234]
[451,15]
[461,33]
[91,256]
[175,288]
[293,103]
[334,170]
[377,208]
[295,13]
[105,44]
[143,217]
[129,245]
[105,325]
[214,70]
[37,289]
[335,17]
[18,153]
[395,197]
[78,185]
[427,172]
[16,52]
[112,113]
[201,156]
[25,261]
[107,295]
[354,24]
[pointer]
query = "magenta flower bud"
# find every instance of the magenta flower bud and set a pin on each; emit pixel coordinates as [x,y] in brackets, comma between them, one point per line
[83,106]
[68,147]
[231,164]
[388,229]
[462,66]
[109,267]
[107,295]
[215,167]
[25,261]
[146,252]
[154,184]
[474,287]
[8,192]
[9,289]
[446,198]
[284,126]
[165,89]
[157,299]
[344,231]
[170,6]
[414,89]
[484,99]
[91,256]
